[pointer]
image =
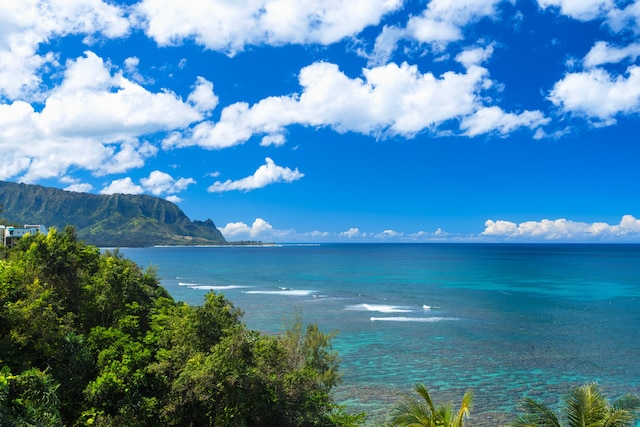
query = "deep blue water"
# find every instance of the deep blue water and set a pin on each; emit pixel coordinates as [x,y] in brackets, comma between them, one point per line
[508,321]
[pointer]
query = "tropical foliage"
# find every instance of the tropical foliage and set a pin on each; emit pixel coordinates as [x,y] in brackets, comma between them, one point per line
[584,406]
[422,412]
[88,338]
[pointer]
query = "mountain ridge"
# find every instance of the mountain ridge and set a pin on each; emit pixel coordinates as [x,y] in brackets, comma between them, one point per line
[114,220]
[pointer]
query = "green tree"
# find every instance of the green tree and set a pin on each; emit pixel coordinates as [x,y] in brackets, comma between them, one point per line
[584,406]
[412,412]
[29,399]
[92,339]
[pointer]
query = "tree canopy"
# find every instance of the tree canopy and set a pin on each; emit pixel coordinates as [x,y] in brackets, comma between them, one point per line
[90,338]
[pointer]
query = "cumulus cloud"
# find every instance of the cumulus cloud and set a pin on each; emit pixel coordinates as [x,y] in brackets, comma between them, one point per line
[75,185]
[442,22]
[27,24]
[494,119]
[583,10]
[559,230]
[627,18]
[174,199]
[260,230]
[618,19]
[267,174]
[157,183]
[385,45]
[202,96]
[230,26]
[387,100]
[93,120]
[604,53]
[122,186]
[352,233]
[597,94]
[263,231]
[474,56]
[563,229]
[92,101]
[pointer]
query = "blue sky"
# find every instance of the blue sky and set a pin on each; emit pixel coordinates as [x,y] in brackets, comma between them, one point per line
[335,120]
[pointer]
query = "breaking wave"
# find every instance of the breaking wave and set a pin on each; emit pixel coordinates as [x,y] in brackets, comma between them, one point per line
[211,287]
[412,319]
[286,292]
[381,308]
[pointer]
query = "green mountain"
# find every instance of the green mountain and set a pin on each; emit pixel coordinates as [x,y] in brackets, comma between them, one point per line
[117,220]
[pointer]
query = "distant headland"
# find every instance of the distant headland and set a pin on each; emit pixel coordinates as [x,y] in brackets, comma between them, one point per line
[115,220]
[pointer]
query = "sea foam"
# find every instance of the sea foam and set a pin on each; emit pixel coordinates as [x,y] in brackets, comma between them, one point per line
[382,308]
[412,319]
[286,292]
[211,287]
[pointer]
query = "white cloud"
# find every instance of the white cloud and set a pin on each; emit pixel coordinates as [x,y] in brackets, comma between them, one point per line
[352,233]
[530,231]
[474,56]
[385,45]
[27,24]
[563,229]
[276,139]
[129,155]
[174,199]
[389,234]
[230,26]
[122,186]
[493,119]
[263,231]
[560,230]
[93,120]
[267,174]
[617,19]
[388,100]
[443,20]
[604,53]
[628,18]
[202,96]
[79,187]
[597,94]
[583,10]
[91,101]
[159,183]
[131,70]
[240,231]
[131,64]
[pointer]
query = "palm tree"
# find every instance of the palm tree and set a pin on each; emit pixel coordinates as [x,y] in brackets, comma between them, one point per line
[423,413]
[585,406]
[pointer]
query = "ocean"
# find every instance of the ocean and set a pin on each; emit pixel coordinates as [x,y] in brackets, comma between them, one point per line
[506,320]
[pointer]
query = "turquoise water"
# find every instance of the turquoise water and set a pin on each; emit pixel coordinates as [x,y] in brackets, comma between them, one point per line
[508,321]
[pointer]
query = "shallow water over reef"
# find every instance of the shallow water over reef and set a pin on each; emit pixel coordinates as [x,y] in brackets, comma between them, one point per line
[508,321]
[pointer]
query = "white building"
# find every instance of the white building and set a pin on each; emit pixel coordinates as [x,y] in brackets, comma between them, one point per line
[11,235]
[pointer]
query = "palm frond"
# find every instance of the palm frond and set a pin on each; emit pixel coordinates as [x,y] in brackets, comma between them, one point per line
[411,413]
[585,406]
[619,418]
[465,408]
[629,402]
[421,389]
[537,415]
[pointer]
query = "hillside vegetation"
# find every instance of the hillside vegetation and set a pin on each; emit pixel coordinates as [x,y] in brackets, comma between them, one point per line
[88,338]
[117,220]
